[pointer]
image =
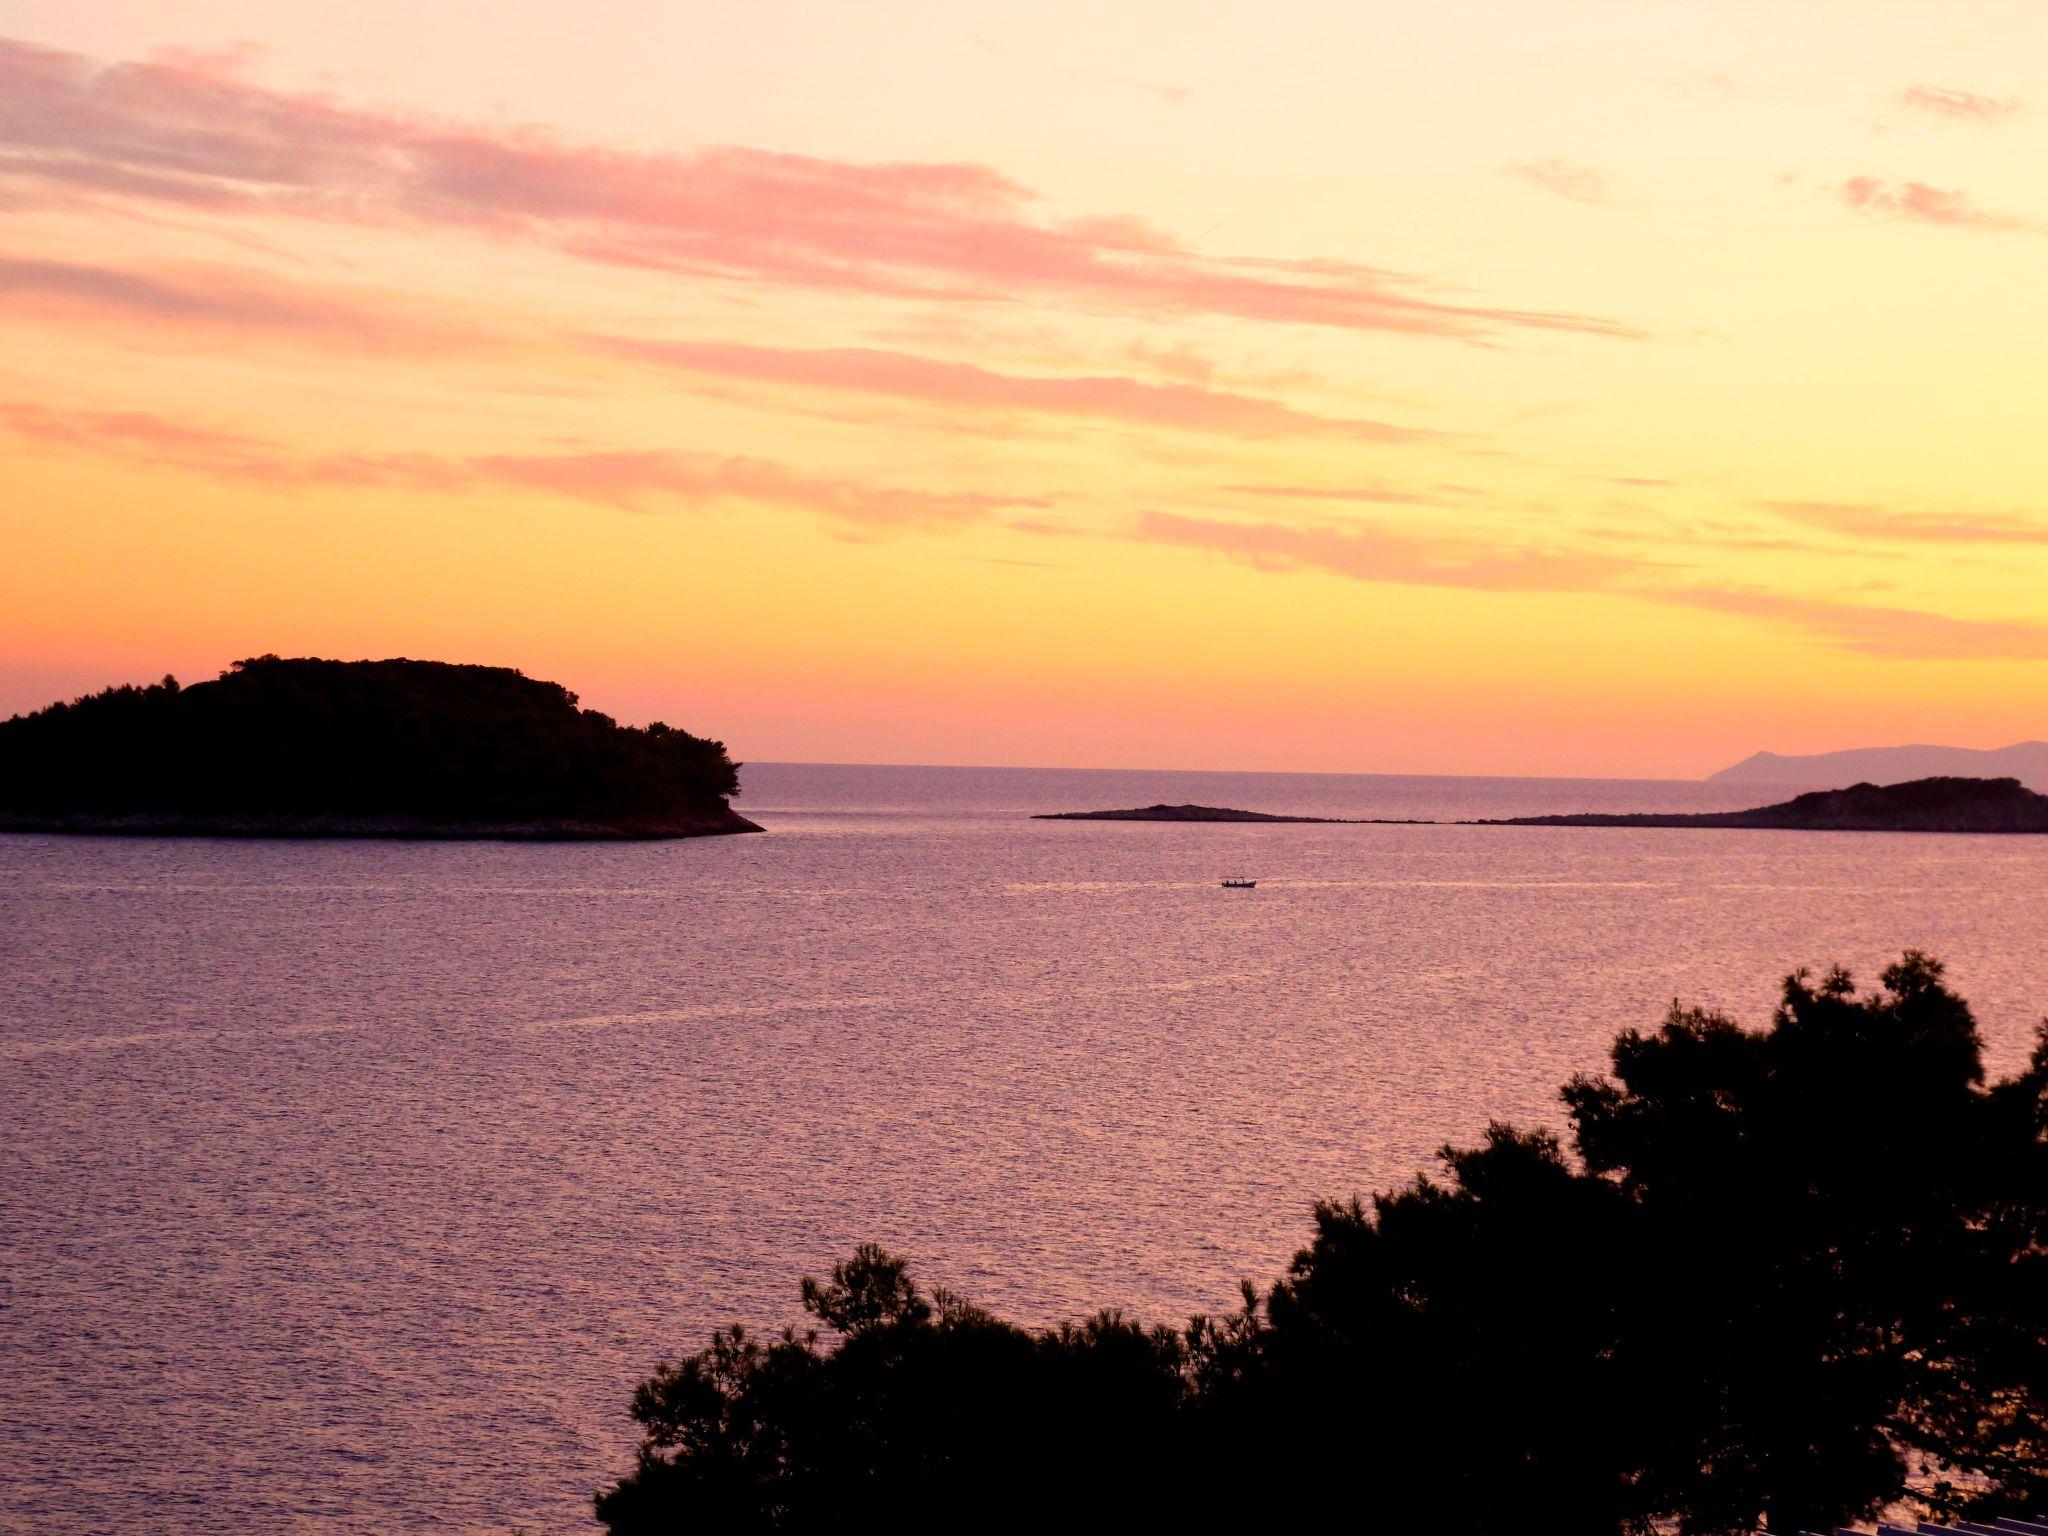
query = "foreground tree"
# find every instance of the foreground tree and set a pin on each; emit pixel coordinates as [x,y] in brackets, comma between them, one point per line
[1791,1275]
[1829,1216]
[922,1409]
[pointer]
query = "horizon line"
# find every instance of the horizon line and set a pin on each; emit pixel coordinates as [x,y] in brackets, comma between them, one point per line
[1291,773]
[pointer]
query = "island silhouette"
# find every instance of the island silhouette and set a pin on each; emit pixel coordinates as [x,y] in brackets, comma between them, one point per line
[1921,805]
[1205,813]
[2026,761]
[307,747]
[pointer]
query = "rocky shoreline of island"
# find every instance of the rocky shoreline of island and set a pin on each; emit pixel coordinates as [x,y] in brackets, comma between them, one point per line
[307,747]
[390,828]
[2003,806]
[1956,805]
[1219,813]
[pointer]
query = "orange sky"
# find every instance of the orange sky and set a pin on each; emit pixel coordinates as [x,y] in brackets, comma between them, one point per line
[1610,387]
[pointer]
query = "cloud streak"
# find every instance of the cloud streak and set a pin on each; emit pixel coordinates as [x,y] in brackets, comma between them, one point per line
[1915,202]
[221,301]
[625,479]
[135,433]
[239,304]
[1956,106]
[636,480]
[1381,495]
[647,480]
[1562,178]
[184,131]
[1866,521]
[1382,555]
[1905,634]
[967,386]
[1386,555]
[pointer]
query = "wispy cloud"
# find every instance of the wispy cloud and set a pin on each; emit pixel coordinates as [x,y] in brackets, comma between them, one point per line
[130,432]
[240,303]
[224,300]
[1367,553]
[643,479]
[1957,106]
[1915,202]
[1373,494]
[185,131]
[1867,521]
[626,479]
[1371,554]
[1902,633]
[1563,178]
[967,386]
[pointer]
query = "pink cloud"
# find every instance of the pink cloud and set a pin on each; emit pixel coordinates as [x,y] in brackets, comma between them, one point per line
[221,299]
[187,132]
[1562,178]
[1372,554]
[965,386]
[1901,633]
[1865,521]
[1962,106]
[239,303]
[1386,555]
[130,431]
[629,479]
[1915,202]
[637,479]
[1394,495]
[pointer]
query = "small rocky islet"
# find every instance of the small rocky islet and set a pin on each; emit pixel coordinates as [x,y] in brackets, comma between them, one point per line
[1196,813]
[1920,805]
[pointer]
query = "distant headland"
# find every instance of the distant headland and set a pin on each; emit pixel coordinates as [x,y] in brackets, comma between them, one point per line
[2026,761]
[1923,805]
[307,747]
[1200,813]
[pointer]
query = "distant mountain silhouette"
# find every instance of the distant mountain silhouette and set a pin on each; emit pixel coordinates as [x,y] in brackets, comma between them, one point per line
[314,748]
[2026,761]
[1924,805]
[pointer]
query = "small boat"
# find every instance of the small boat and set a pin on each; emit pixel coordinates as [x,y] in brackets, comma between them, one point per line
[1239,883]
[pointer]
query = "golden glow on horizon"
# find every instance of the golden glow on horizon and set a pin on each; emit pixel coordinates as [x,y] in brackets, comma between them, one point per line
[1597,388]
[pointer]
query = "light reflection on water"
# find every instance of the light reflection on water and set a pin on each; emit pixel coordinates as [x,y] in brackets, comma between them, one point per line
[349,1186]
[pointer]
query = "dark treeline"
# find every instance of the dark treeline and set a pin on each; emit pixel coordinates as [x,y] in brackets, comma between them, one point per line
[1781,1277]
[360,738]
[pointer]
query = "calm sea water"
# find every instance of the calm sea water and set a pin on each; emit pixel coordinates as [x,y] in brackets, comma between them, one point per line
[349,1187]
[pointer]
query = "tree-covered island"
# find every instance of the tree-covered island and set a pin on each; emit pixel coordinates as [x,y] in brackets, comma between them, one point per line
[304,747]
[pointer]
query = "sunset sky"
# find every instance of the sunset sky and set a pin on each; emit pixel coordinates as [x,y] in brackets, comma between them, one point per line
[1516,386]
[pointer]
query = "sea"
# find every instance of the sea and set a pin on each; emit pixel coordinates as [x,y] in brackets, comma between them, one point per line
[351,1186]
